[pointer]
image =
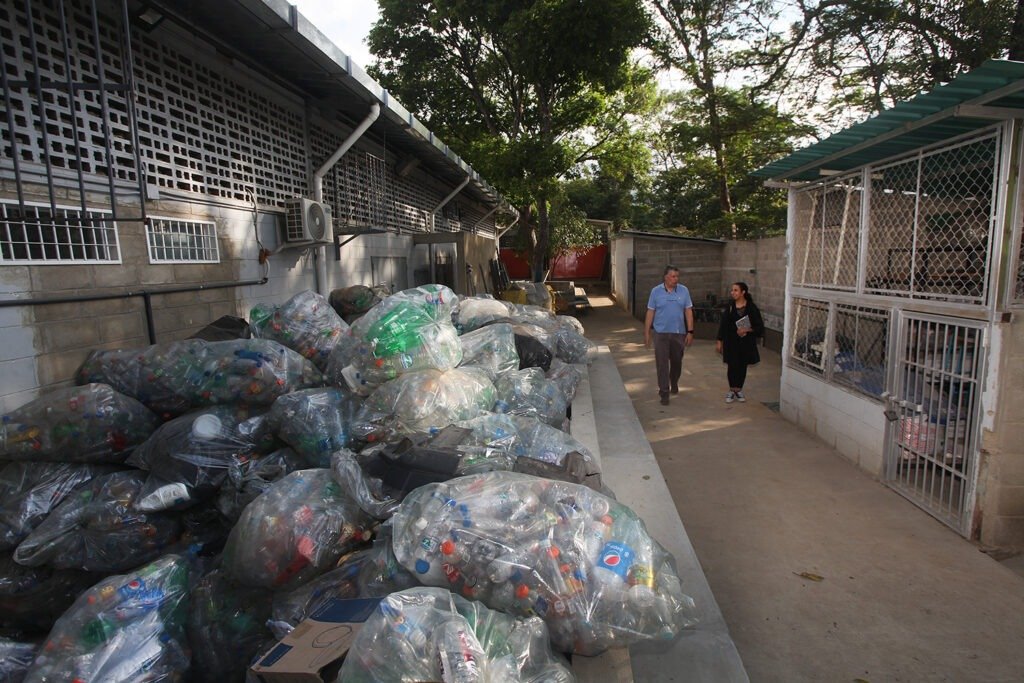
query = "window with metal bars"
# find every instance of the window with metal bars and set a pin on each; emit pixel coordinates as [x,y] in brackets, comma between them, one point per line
[173,240]
[31,233]
[825,244]
[843,344]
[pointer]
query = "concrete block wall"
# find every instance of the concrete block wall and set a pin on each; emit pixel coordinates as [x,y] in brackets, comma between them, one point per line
[699,263]
[762,265]
[1000,490]
[852,425]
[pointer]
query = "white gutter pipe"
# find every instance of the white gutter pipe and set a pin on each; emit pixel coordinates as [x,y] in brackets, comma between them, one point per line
[319,260]
[433,214]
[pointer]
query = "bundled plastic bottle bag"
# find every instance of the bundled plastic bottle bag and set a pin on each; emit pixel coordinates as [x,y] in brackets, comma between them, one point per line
[126,628]
[226,627]
[31,598]
[181,376]
[248,478]
[188,458]
[529,392]
[91,423]
[579,560]
[406,332]
[430,400]
[306,323]
[573,347]
[294,532]
[99,529]
[428,634]
[474,312]
[16,657]
[492,349]
[29,491]
[370,573]
[567,376]
[315,422]
[354,300]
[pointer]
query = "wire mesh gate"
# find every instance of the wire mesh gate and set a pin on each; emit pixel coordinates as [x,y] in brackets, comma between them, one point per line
[934,415]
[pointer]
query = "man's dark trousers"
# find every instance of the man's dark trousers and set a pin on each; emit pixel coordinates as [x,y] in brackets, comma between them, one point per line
[668,356]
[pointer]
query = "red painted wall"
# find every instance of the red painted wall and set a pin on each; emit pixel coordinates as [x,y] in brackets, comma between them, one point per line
[575,265]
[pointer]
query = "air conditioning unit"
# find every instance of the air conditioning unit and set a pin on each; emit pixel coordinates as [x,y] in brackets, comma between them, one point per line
[307,221]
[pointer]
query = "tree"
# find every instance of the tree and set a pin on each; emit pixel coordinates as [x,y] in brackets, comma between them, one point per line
[526,90]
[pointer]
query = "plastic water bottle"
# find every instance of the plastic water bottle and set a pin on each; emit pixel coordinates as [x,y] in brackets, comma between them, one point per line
[459,653]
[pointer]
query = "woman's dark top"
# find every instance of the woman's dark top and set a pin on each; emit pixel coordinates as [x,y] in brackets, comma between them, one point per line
[737,349]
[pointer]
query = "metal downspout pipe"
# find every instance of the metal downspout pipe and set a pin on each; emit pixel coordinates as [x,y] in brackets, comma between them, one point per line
[320,262]
[433,214]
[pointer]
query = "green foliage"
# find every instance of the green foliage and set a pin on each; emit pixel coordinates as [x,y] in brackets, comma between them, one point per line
[526,90]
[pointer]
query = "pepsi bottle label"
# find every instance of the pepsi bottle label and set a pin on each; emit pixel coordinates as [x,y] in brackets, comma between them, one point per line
[616,557]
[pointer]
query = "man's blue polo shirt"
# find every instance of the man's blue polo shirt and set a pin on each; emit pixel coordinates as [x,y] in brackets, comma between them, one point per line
[668,309]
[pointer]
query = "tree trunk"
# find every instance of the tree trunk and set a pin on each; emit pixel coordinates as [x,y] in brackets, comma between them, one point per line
[724,196]
[1017,34]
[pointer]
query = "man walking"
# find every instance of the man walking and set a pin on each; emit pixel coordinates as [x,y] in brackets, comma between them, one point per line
[670,314]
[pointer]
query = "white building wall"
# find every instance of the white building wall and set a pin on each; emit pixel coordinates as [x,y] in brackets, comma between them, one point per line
[621,252]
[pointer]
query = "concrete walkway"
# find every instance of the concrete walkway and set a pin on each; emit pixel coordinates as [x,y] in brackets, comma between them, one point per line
[821,572]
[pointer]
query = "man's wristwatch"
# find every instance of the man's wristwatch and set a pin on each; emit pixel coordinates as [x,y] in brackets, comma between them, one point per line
[689,332]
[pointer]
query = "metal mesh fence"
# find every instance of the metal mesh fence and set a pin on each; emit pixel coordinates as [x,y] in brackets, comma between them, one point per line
[809,348]
[827,233]
[861,338]
[930,223]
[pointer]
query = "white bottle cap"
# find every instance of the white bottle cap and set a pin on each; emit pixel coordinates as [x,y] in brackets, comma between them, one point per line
[206,427]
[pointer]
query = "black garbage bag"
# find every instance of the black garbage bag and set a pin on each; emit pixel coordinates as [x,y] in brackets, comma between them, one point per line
[32,598]
[224,328]
[532,353]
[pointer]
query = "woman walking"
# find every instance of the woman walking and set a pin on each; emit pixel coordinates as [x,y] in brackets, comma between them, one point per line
[737,339]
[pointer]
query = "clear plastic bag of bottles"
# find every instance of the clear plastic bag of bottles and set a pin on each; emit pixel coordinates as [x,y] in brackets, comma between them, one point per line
[15,659]
[571,322]
[98,529]
[226,627]
[523,545]
[180,376]
[306,323]
[491,348]
[529,392]
[366,491]
[294,532]
[474,312]
[573,347]
[90,423]
[31,598]
[406,332]
[249,477]
[428,634]
[315,422]
[29,491]
[188,457]
[354,300]
[567,376]
[430,400]
[370,573]
[129,627]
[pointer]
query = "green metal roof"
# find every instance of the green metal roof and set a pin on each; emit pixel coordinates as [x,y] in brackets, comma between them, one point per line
[969,102]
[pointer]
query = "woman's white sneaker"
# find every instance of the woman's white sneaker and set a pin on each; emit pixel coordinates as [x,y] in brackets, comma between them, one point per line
[730,397]
[738,395]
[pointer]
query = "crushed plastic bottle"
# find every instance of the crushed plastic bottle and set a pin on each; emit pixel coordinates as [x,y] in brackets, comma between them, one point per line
[177,377]
[128,627]
[91,423]
[428,634]
[294,532]
[306,323]
[579,560]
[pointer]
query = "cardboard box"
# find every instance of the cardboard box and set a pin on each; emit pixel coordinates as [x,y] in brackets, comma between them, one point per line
[317,643]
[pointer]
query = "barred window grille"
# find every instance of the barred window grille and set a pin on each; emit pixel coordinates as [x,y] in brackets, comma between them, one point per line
[809,346]
[173,240]
[861,340]
[827,234]
[37,234]
[931,219]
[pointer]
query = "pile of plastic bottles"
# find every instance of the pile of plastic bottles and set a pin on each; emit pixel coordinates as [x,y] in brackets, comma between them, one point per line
[429,400]
[181,376]
[428,634]
[579,560]
[90,423]
[315,422]
[126,628]
[491,349]
[306,323]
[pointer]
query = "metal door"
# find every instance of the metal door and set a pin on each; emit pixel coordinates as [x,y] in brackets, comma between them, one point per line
[934,415]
